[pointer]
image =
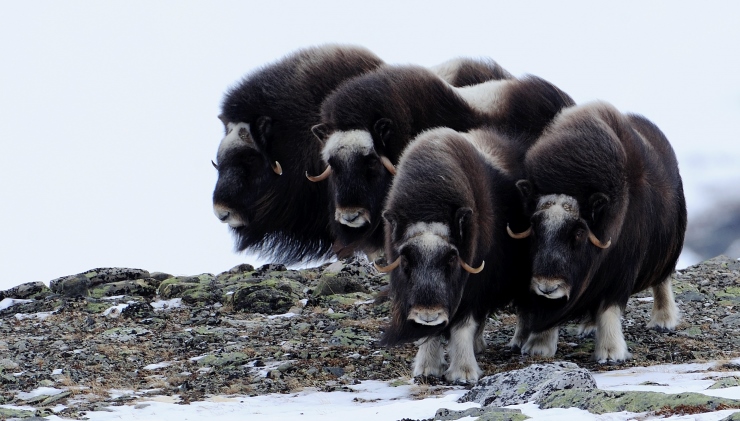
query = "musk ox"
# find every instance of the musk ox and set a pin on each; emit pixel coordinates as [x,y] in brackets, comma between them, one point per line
[608,217]
[369,120]
[453,261]
[261,192]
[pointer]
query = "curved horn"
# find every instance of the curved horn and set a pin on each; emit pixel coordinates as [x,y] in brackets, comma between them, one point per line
[214,164]
[597,242]
[277,168]
[387,164]
[520,235]
[386,269]
[323,176]
[470,269]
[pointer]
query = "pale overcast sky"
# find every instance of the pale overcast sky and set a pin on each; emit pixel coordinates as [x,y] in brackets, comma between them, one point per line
[108,109]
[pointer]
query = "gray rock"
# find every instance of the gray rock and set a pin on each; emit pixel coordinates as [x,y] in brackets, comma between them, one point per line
[77,285]
[691,296]
[481,414]
[333,283]
[27,290]
[529,384]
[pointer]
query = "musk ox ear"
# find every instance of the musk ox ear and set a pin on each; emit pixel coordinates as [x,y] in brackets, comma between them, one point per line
[391,220]
[261,132]
[223,119]
[320,131]
[597,201]
[525,188]
[464,217]
[383,129]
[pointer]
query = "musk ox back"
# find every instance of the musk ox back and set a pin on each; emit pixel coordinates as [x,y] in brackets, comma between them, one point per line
[608,218]
[446,235]
[368,122]
[261,191]
[465,71]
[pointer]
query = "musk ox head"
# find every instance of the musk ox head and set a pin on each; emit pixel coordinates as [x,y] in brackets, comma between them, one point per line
[564,248]
[359,175]
[428,276]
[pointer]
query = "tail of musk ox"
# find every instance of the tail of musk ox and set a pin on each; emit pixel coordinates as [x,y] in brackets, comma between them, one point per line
[593,150]
[261,186]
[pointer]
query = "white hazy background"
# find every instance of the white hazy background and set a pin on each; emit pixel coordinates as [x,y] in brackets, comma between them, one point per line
[108,109]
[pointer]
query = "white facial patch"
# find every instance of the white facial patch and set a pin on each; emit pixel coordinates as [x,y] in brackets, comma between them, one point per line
[342,145]
[484,97]
[427,236]
[557,208]
[237,135]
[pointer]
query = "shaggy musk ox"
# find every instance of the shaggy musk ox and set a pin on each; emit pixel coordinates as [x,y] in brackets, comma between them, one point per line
[453,261]
[608,218]
[368,121]
[261,191]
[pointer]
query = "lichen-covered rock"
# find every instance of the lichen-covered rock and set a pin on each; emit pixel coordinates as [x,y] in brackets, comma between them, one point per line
[337,283]
[99,276]
[146,288]
[599,401]
[8,413]
[227,359]
[481,414]
[529,384]
[29,290]
[201,289]
[726,382]
[270,296]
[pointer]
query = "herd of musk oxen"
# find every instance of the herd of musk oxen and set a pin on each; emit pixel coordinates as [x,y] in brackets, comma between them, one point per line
[475,190]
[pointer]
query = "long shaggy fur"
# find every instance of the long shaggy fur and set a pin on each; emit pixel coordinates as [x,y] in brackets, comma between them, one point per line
[414,99]
[596,149]
[465,71]
[287,216]
[441,172]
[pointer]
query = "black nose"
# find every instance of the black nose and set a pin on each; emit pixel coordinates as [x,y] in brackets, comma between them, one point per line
[547,290]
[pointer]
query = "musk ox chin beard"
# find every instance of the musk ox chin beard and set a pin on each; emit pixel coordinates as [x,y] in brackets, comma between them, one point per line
[550,288]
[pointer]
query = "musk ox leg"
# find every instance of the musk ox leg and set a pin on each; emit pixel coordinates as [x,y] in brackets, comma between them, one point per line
[587,328]
[542,344]
[480,341]
[665,313]
[610,344]
[430,359]
[461,349]
[521,333]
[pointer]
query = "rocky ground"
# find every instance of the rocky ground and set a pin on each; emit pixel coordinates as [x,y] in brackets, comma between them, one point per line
[108,336]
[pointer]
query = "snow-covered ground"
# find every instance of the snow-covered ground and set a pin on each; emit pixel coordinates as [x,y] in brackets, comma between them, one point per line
[374,400]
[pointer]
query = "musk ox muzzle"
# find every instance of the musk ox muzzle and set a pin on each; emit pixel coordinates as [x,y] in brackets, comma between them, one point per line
[429,316]
[228,216]
[552,288]
[352,217]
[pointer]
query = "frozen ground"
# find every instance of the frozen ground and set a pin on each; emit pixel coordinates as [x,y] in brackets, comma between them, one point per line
[373,400]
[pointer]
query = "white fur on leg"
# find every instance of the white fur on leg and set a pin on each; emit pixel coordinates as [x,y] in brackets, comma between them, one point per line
[610,344]
[461,349]
[542,344]
[665,314]
[521,333]
[480,342]
[430,359]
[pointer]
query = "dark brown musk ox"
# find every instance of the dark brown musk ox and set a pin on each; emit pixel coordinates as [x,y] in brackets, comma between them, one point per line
[453,261]
[261,192]
[608,218]
[369,120]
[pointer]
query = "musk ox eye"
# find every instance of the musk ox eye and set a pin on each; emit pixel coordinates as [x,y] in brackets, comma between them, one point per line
[580,234]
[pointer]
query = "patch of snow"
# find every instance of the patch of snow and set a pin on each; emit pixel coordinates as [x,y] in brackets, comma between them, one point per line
[166,304]
[282,316]
[113,298]
[157,366]
[8,302]
[57,372]
[48,391]
[39,316]
[115,311]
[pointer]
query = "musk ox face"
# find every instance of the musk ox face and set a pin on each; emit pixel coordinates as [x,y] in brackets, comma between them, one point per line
[244,176]
[563,248]
[359,177]
[429,278]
